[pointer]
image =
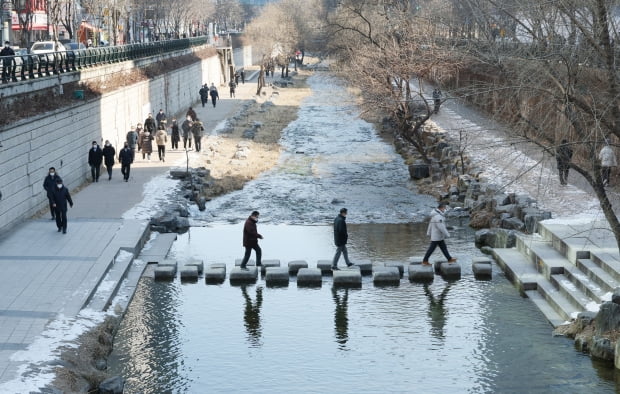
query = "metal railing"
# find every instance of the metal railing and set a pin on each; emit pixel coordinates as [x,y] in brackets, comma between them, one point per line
[25,67]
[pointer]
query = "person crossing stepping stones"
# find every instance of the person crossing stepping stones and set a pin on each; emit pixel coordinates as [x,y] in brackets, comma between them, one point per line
[438,232]
[340,239]
[250,240]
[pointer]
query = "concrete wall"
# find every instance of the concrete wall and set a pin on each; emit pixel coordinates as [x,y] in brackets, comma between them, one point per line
[61,138]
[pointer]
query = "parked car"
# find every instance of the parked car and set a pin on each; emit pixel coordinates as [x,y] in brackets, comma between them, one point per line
[48,50]
[23,58]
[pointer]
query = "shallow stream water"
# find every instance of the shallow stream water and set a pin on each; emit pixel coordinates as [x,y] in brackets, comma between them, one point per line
[446,337]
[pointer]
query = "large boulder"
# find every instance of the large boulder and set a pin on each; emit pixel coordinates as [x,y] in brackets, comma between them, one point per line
[113,385]
[607,319]
[602,348]
[513,224]
[419,170]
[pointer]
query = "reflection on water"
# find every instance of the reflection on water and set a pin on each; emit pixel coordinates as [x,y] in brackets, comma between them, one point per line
[251,315]
[444,337]
[436,310]
[341,321]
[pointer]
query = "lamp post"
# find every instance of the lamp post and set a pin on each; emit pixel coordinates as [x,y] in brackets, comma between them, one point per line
[6,19]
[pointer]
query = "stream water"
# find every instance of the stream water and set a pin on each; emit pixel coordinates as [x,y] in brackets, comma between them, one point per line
[462,336]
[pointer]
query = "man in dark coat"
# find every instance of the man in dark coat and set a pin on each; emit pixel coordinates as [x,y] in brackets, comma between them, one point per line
[197,132]
[160,118]
[149,124]
[232,85]
[340,239]
[132,140]
[109,156]
[563,156]
[214,94]
[191,113]
[175,136]
[7,61]
[126,158]
[95,158]
[204,94]
[250,240]
[186,127]
[49,184]
[60,197]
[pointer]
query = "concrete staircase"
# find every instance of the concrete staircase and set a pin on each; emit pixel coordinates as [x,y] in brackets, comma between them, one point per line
[565,269]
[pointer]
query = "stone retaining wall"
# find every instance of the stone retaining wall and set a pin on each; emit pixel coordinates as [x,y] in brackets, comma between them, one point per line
[62,138]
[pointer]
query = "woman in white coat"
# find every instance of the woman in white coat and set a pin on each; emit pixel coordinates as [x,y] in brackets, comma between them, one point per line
[438,232]
[608,160]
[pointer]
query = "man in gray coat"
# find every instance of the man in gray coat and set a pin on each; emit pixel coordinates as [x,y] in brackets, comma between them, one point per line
[438,232]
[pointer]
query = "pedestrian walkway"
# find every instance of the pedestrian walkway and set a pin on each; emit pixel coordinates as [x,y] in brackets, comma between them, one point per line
[47,275]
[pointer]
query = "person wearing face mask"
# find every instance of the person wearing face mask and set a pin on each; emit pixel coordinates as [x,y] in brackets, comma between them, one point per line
[95,158]
[7,54]
[49,184]
[109,154]
[250,240]
[149,124]
[146,145]
[60,198]
[126,158]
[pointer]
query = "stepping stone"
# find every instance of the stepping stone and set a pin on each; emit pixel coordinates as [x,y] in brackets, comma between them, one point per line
[450,271]
[386,276]
[308,277]
[348,278]
[397,264]
[421,273]
[165,273]
[218,265]
[416,260]
[437,265]
[215,273]
[482,268]
[325,266]
[249,275]
[168,263]
[198,263]
[268,263]
[276,276]
[189,273]
[294,266]
[365,266]
[250,262]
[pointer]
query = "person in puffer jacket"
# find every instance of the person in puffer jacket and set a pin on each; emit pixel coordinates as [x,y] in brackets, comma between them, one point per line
[438,232]
[608,160]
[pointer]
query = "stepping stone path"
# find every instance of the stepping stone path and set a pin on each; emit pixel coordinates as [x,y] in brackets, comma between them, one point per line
[310,277]
[277,276]
[421,273]
[482,268]
[296,265]
[386,276]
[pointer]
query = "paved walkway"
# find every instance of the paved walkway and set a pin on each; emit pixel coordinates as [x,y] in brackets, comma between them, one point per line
[48,276]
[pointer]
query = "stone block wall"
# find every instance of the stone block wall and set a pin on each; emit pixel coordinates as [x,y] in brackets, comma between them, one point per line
[62,138]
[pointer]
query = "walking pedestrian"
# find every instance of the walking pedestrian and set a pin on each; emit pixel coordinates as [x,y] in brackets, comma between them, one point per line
[160,139]
[60,198]
[232,85]
[191,113]
[125,157]
[109,155]
[149,124]
[242,73]
[95,158]
[161,118]
[250,240]
[341,236]
[608,160]
[438,232]
[49,184]
[146,145]
[437,99]
[175,136]
[197,132]
[563,157]
[8,57]
[214,94]
[133,139]
[237,76]
[186,127]
[204,94]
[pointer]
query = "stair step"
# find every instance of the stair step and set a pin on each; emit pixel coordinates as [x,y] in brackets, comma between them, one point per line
[572,293]
[517,268]
[609,263]
[548,260]
[557,300]
[597,275]
[552,316]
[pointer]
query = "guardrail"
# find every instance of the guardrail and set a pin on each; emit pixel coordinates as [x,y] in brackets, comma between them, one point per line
[24,67]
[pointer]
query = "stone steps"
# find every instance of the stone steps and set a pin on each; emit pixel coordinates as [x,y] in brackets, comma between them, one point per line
[561,270]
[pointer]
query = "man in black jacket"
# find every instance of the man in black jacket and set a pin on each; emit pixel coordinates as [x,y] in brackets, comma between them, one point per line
[250,240]
[340,239]
[126,158]
[563,156]
[95,158]
[49,184]
[60,198]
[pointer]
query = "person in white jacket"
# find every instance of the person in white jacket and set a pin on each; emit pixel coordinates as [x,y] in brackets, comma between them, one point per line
[438,232]
[608,160]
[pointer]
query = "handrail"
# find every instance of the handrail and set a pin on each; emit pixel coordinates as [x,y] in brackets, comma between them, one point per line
[32,66]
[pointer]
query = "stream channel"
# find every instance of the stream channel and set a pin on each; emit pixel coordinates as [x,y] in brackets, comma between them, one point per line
[446,337]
